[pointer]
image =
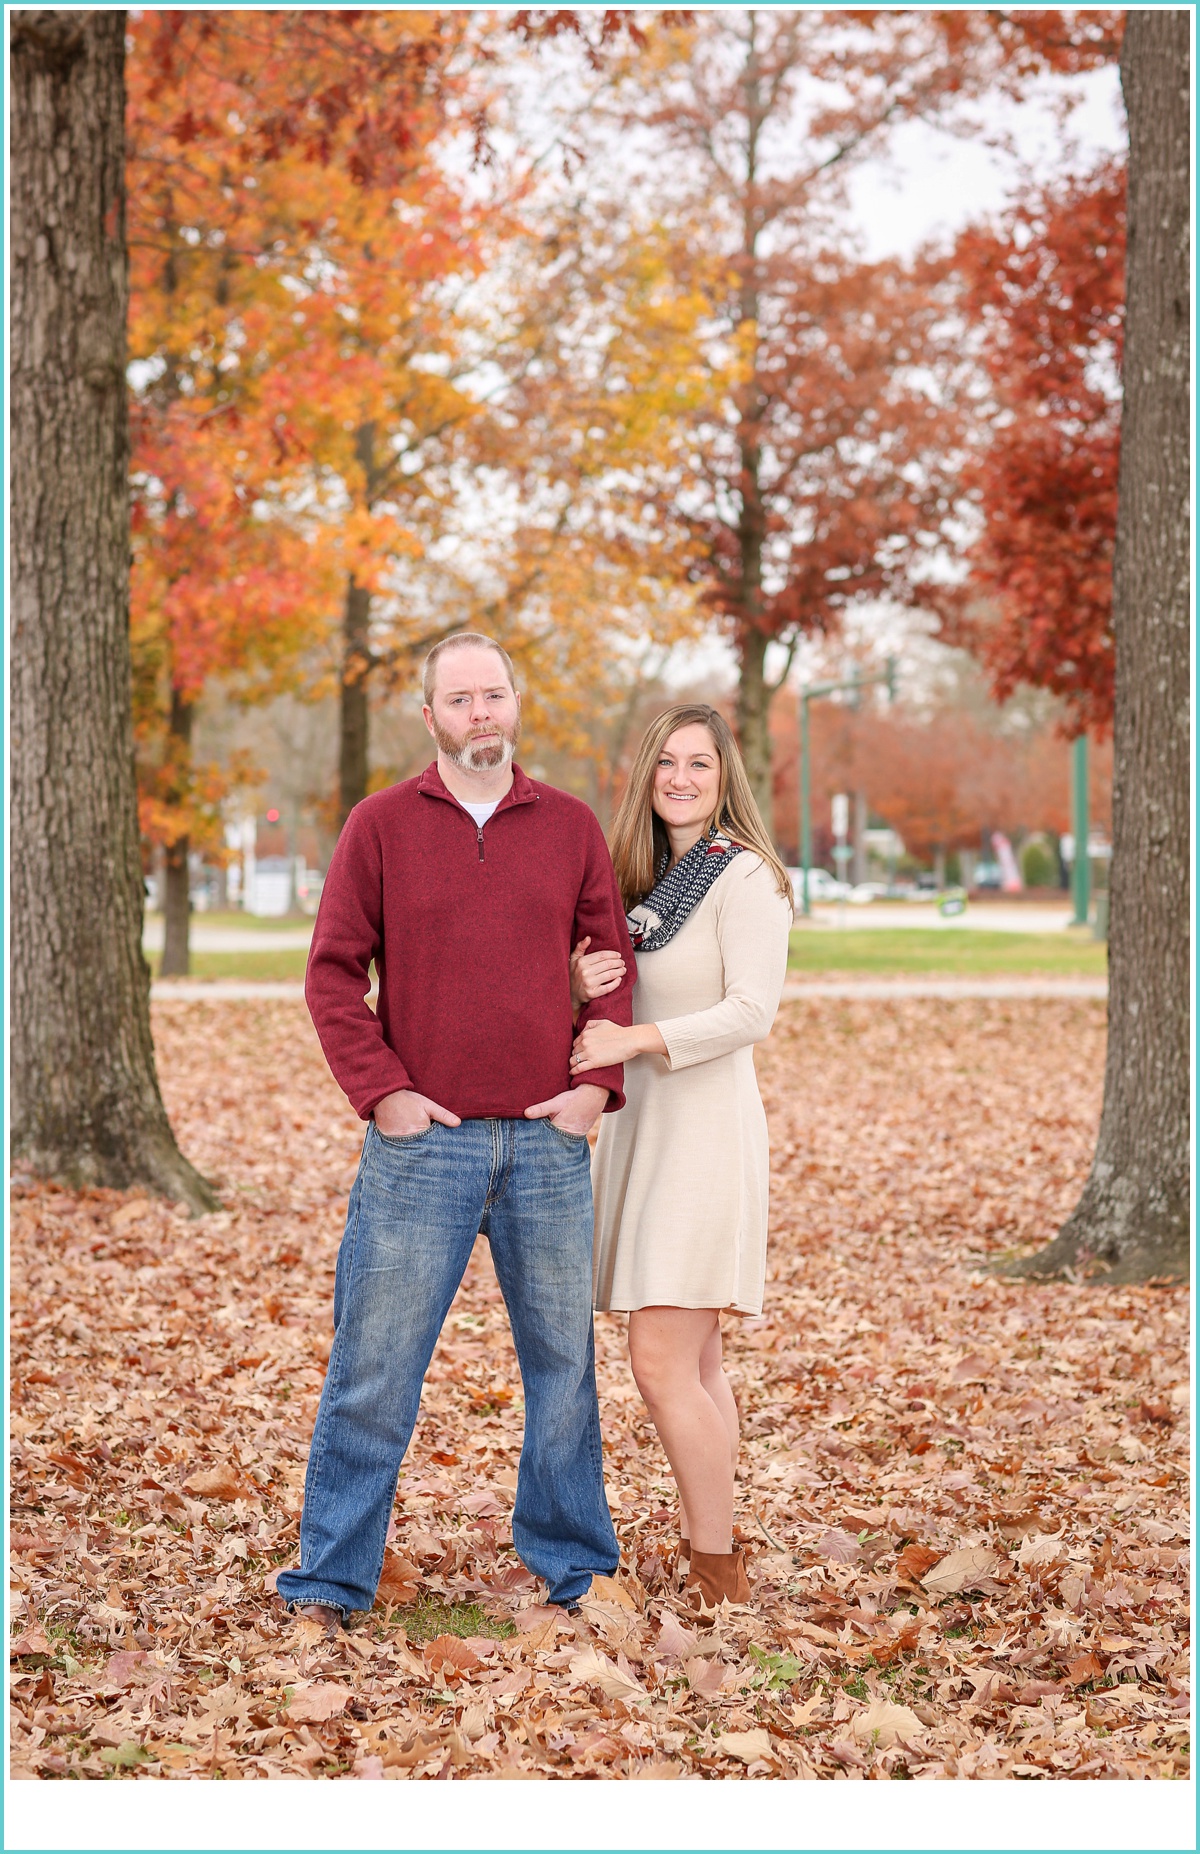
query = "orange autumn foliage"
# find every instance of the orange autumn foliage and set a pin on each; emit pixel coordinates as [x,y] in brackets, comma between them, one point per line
[254,138]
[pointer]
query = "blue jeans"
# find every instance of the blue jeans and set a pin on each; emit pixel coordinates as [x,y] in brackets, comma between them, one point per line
[414,1213]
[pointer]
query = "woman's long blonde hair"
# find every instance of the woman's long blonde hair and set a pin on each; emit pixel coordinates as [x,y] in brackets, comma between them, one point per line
[639,836]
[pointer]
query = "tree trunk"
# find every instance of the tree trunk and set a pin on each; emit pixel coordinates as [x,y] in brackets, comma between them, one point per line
[1131,1223]
[177,907]
[86,1108]
[356,667]
[177,903]
[753,711]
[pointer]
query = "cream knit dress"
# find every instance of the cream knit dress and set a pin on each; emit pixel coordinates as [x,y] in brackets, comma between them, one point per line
[680,1174]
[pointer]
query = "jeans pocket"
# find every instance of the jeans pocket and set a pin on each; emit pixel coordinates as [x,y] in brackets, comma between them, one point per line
[404,1139]
[571,1139]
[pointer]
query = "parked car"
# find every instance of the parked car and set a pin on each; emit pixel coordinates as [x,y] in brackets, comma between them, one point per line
[868,891]
[821,886]
[987,875]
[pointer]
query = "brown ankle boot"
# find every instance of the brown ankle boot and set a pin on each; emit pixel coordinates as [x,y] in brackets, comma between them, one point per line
[715,1576]
[683,1553]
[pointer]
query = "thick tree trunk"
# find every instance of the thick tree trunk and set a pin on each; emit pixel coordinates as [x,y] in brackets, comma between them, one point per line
[1131,1223]
[753,710]
[86,1108]
[355,731]
[177,908]
[177,903]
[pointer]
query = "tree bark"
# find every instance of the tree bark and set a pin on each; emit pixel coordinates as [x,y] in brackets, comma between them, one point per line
[86,1108]
[177,902]
[1131,1223]
[355,718]
[753,712]
[754,697]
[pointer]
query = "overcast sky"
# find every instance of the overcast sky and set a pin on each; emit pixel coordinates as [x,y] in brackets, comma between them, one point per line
[930,184]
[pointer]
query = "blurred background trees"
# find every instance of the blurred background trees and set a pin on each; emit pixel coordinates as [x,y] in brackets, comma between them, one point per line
[559,326]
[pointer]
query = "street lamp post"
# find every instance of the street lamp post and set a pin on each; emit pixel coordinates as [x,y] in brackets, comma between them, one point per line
[887,676]
[1081,875]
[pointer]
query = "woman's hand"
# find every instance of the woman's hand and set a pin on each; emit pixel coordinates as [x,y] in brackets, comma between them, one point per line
[601,1044]
[593,975]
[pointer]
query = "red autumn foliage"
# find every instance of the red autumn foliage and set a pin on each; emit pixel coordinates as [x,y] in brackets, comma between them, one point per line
[1045,293]
[943,780]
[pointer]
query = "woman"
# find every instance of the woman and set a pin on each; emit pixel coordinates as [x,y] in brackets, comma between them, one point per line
[680,1176]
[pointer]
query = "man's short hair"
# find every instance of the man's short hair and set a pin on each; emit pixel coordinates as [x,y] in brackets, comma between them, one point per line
[457,642]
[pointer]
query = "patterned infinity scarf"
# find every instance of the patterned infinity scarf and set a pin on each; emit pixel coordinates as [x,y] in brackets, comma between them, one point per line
[658,919]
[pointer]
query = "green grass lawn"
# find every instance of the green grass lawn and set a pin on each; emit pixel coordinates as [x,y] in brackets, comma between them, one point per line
[248,923]
[286,964]
[944,950]
[877,951]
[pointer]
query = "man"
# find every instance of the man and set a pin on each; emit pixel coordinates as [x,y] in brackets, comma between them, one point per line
[468,887]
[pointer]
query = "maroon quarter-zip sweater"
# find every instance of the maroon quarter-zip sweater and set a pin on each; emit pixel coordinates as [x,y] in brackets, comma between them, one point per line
[471,932]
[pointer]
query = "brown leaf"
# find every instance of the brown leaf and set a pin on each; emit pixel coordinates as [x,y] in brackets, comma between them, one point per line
[841,1547]
[747,1747]
[882,1723]
[216,1484]
[595,1670]
[960,1570]
[132,1212]
[399,1579]
[705,1676]
[1041,1548]
[451,1652]
[32,1642]
[613,1590]
[32,1545]
[971,1368]
[1083,1668]
[125,1667]
[1035,1690]
[913,1563]
[674,1641]
[314,1704]
[482,1504]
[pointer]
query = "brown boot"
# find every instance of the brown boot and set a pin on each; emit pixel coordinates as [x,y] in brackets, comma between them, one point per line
[683,1554]
[714,1577]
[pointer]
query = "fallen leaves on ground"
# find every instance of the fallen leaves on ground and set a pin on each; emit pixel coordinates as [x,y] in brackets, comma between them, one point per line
[968,1494]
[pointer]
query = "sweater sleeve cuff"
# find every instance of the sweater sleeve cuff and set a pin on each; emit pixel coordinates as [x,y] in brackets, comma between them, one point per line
[379,1091]
[612,1079]
[685,1044]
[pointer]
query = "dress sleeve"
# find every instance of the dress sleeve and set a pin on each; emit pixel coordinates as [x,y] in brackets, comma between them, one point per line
[752,924]
[599,913]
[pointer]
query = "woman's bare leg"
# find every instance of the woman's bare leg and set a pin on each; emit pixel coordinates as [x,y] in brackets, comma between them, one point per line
[712,1376]
[666,1345]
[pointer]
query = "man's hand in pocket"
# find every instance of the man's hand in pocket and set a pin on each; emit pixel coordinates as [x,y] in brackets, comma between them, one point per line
[575,1110]
[400,1115]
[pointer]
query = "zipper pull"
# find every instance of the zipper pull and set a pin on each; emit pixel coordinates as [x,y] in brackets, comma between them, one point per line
[479,836]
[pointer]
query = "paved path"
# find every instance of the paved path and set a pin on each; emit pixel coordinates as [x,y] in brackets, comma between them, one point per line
[985,917]
[236,990]
[948,988]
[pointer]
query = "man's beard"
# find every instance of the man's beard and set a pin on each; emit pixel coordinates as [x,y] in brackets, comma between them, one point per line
[461,751]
